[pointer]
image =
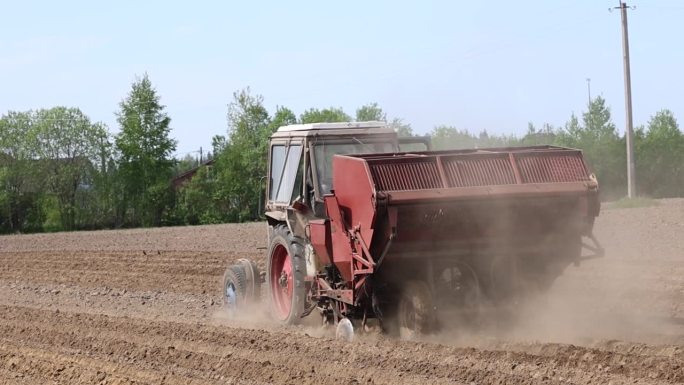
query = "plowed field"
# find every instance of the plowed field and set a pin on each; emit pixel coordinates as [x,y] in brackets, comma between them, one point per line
[143,307]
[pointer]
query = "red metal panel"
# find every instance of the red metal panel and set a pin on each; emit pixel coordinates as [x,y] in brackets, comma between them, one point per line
[459,169]
[437,191]
[403,174]
[490,192]
[355,193]
[478,170]
[552,167]
[320,239]
[341,246]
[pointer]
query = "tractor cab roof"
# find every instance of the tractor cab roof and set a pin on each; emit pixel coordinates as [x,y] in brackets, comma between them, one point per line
[333,129]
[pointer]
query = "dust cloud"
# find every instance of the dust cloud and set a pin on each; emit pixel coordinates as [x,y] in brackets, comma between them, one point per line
[257,316]
[634,294]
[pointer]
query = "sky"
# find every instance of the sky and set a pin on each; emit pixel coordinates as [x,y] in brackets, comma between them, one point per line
[473,65]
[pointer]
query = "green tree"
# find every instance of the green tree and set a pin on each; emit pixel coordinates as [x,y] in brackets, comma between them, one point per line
[218,144]
[660,157]
[68,145]
[196,201]
[370,112]
[603,147]
[402,129]
[20,181]
[546,135]
[230,189]
[326,115]
[447,137]
[106,183]
[186,163]
[282,117]
[373,112]
[145,149]
[485,140]
[242,163]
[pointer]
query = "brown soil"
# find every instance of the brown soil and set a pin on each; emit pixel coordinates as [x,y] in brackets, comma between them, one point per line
[143,307]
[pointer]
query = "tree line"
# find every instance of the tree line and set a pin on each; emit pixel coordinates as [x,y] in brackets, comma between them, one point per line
[61,171]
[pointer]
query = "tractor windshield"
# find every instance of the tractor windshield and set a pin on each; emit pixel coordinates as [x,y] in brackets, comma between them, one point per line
[324,152]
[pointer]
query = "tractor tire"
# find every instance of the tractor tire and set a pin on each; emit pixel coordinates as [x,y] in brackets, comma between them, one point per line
[285,273]
[415,310]
[253,280]
[233,288]
[241,286]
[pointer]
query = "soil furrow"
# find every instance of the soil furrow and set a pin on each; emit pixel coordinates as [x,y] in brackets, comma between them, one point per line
[206,344]
[143,307]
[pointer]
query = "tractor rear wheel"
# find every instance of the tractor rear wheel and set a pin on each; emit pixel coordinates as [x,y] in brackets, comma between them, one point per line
[415,312]
[285,273]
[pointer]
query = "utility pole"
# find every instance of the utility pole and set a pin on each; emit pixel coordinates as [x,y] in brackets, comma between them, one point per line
[631,177]
[591,116]
[589,90]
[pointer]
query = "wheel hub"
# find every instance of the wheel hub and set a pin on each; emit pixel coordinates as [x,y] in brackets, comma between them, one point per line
[282,281]
[231,297]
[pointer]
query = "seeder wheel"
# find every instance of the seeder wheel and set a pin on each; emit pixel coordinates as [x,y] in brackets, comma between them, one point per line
[415,310]
[241,285]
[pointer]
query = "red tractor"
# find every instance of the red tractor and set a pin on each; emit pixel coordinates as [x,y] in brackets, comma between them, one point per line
[360,230]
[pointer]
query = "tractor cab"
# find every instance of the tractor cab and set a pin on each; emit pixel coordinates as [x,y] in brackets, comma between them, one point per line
[300,162]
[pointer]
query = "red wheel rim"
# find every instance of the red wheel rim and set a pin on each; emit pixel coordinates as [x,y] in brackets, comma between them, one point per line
[282,282]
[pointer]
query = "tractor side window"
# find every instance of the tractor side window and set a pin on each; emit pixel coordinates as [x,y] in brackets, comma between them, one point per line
[284,185]
[297,190]
[278,153]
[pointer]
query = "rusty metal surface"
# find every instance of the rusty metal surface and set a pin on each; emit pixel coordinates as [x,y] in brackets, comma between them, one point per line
[478,170]
[488,192]
[446,204]
[464,169]
[552,167]
[340,243]
[399,174]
